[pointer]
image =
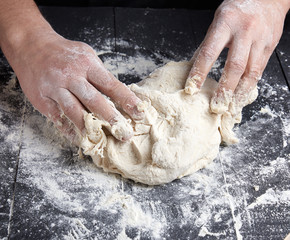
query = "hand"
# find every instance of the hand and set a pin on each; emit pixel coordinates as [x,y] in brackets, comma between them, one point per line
[251,30]
[64,78]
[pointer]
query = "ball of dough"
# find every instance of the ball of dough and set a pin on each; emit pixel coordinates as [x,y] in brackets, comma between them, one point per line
[178,136]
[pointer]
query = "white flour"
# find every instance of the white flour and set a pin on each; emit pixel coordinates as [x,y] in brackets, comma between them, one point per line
[87,202]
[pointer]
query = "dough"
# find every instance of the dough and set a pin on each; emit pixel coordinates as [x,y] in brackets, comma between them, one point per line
[178,136]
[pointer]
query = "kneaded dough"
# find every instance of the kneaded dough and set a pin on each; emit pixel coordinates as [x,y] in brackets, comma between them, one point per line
[178,136]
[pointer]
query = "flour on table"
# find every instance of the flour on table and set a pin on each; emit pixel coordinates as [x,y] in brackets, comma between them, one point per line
[178,136]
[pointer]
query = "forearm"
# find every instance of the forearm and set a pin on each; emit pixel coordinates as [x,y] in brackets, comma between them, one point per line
[20,23]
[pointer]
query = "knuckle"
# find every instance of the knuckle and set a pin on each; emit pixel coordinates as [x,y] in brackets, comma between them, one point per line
[236,66]
[224,16]
[52,73]
[82,47]
[84,59]
[69,110]
[113,86]
[249,22]
[208,52]
[254,73]
[246,26]
[94,100]
[222,12]
[269,48]
[83,53]
[231,17]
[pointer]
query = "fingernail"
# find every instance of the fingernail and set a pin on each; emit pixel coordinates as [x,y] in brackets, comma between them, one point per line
[220,101]
[135,112]
[191,85]
[137,115]
[121,129]
[139,110]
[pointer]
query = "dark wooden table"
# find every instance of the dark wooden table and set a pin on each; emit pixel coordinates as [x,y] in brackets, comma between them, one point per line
[46,192]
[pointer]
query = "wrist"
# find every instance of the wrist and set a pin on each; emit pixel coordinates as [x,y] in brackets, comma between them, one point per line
[285,6]
[20,27]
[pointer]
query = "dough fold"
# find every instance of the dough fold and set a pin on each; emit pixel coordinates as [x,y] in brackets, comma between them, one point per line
[178,135]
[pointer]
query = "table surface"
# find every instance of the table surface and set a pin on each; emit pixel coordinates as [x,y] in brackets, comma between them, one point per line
[47,192]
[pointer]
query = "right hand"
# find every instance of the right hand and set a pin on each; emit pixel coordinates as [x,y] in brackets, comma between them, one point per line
[251,29]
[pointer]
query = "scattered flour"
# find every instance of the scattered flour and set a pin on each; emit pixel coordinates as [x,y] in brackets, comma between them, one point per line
[90,204]
[271,197]
[204,231]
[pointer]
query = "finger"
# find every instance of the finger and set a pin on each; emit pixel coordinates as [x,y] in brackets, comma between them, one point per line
[105,81]
[70,106]
[216,39]
[96,103]
[234,68]
[52,111]
[246,92]
[254,69]
[68,129]
[266,56]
